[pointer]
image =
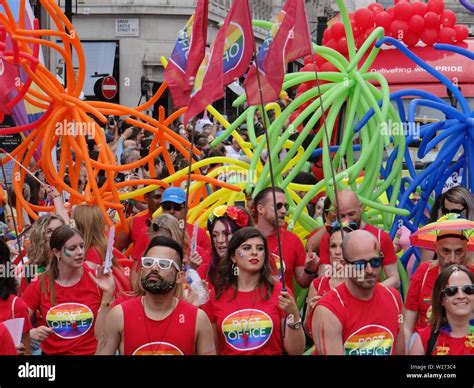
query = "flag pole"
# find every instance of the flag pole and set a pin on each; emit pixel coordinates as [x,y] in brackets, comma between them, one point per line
[269,159]
[326,135]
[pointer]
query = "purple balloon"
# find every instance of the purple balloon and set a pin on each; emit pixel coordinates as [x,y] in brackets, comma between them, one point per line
[468,5]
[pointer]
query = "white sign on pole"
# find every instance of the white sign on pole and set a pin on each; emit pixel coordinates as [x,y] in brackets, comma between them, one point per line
[127,27]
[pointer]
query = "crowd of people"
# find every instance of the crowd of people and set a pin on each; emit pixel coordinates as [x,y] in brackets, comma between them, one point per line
[252,267]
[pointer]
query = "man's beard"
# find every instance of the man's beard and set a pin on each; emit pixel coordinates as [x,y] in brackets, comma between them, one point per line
[160,286]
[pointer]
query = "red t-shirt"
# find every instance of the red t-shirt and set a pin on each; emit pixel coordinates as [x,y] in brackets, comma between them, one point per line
[174,335]
[294,254]
[369,327]
[15,307]
[386,245]
[203,247]
[139,235]
[7,346]
[420,291]
[94,256]
[446,345]
[322,287]
[72,317]
[247,324]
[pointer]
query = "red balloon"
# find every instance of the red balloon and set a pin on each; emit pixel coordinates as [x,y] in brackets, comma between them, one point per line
[351,15]
[399,29]
[327,34]
[448,18]
[355,29]
[419,8]
[359,41]
[309,67]
[342,46]
[364,18]
[402,11]
[447,35]
[436,6]
[429,36]
[319,60]
[376,8]
[337,30]
[417,24]
[431,20]
[390,10]
[383,19]
[400,1]
[332,44]
[462,32]
[328,66]
[308,59]
[411,39]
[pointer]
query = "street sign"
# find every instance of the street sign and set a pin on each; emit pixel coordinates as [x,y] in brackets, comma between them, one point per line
[109,87]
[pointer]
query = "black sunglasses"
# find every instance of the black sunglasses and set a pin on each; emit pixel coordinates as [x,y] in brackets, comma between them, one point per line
[279,205]
[468,289]
[375,262]
[345,226]
[171,205]
[456,211]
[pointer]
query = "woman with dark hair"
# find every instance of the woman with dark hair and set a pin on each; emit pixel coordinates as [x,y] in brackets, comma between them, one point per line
[71,300]
[451,326]
[11,306]
[248,310]
[223,222]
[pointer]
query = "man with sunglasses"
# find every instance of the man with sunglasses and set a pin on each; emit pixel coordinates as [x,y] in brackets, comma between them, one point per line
[451,248]
[360,316]
[295,260]
[173,203]
[158,323]
[350,210]
[137,231]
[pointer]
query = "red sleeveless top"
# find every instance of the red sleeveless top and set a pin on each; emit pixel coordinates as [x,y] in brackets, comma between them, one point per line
[174,335]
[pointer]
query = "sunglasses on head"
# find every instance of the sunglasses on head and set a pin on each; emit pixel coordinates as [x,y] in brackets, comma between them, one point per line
[155,227]
[456,211]
[468,289]
[375,262]
[172,205]
[163,263]
[345,226]
[279,205]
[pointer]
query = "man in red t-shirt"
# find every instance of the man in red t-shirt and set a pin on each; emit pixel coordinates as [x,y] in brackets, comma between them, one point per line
[295,261]
[173,203]
[451,248]
[158,323]
[360,316]
[350,209]
[137,228]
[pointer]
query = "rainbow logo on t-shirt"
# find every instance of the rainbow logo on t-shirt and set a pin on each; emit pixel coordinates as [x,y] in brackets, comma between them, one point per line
[247,329]
[371,340]
[70,320]
[158,349]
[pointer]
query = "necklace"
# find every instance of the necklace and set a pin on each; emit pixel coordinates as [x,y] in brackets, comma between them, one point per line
[246,331]
[444,349]
[169,317]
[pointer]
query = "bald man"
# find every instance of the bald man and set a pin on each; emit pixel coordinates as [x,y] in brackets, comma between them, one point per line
[360,316]
[350,209]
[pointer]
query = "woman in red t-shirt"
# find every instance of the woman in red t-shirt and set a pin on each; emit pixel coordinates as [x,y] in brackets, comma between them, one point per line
[323,284]
[248,310]
[71,300]
[11,306]
[451,326]
[91,223]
